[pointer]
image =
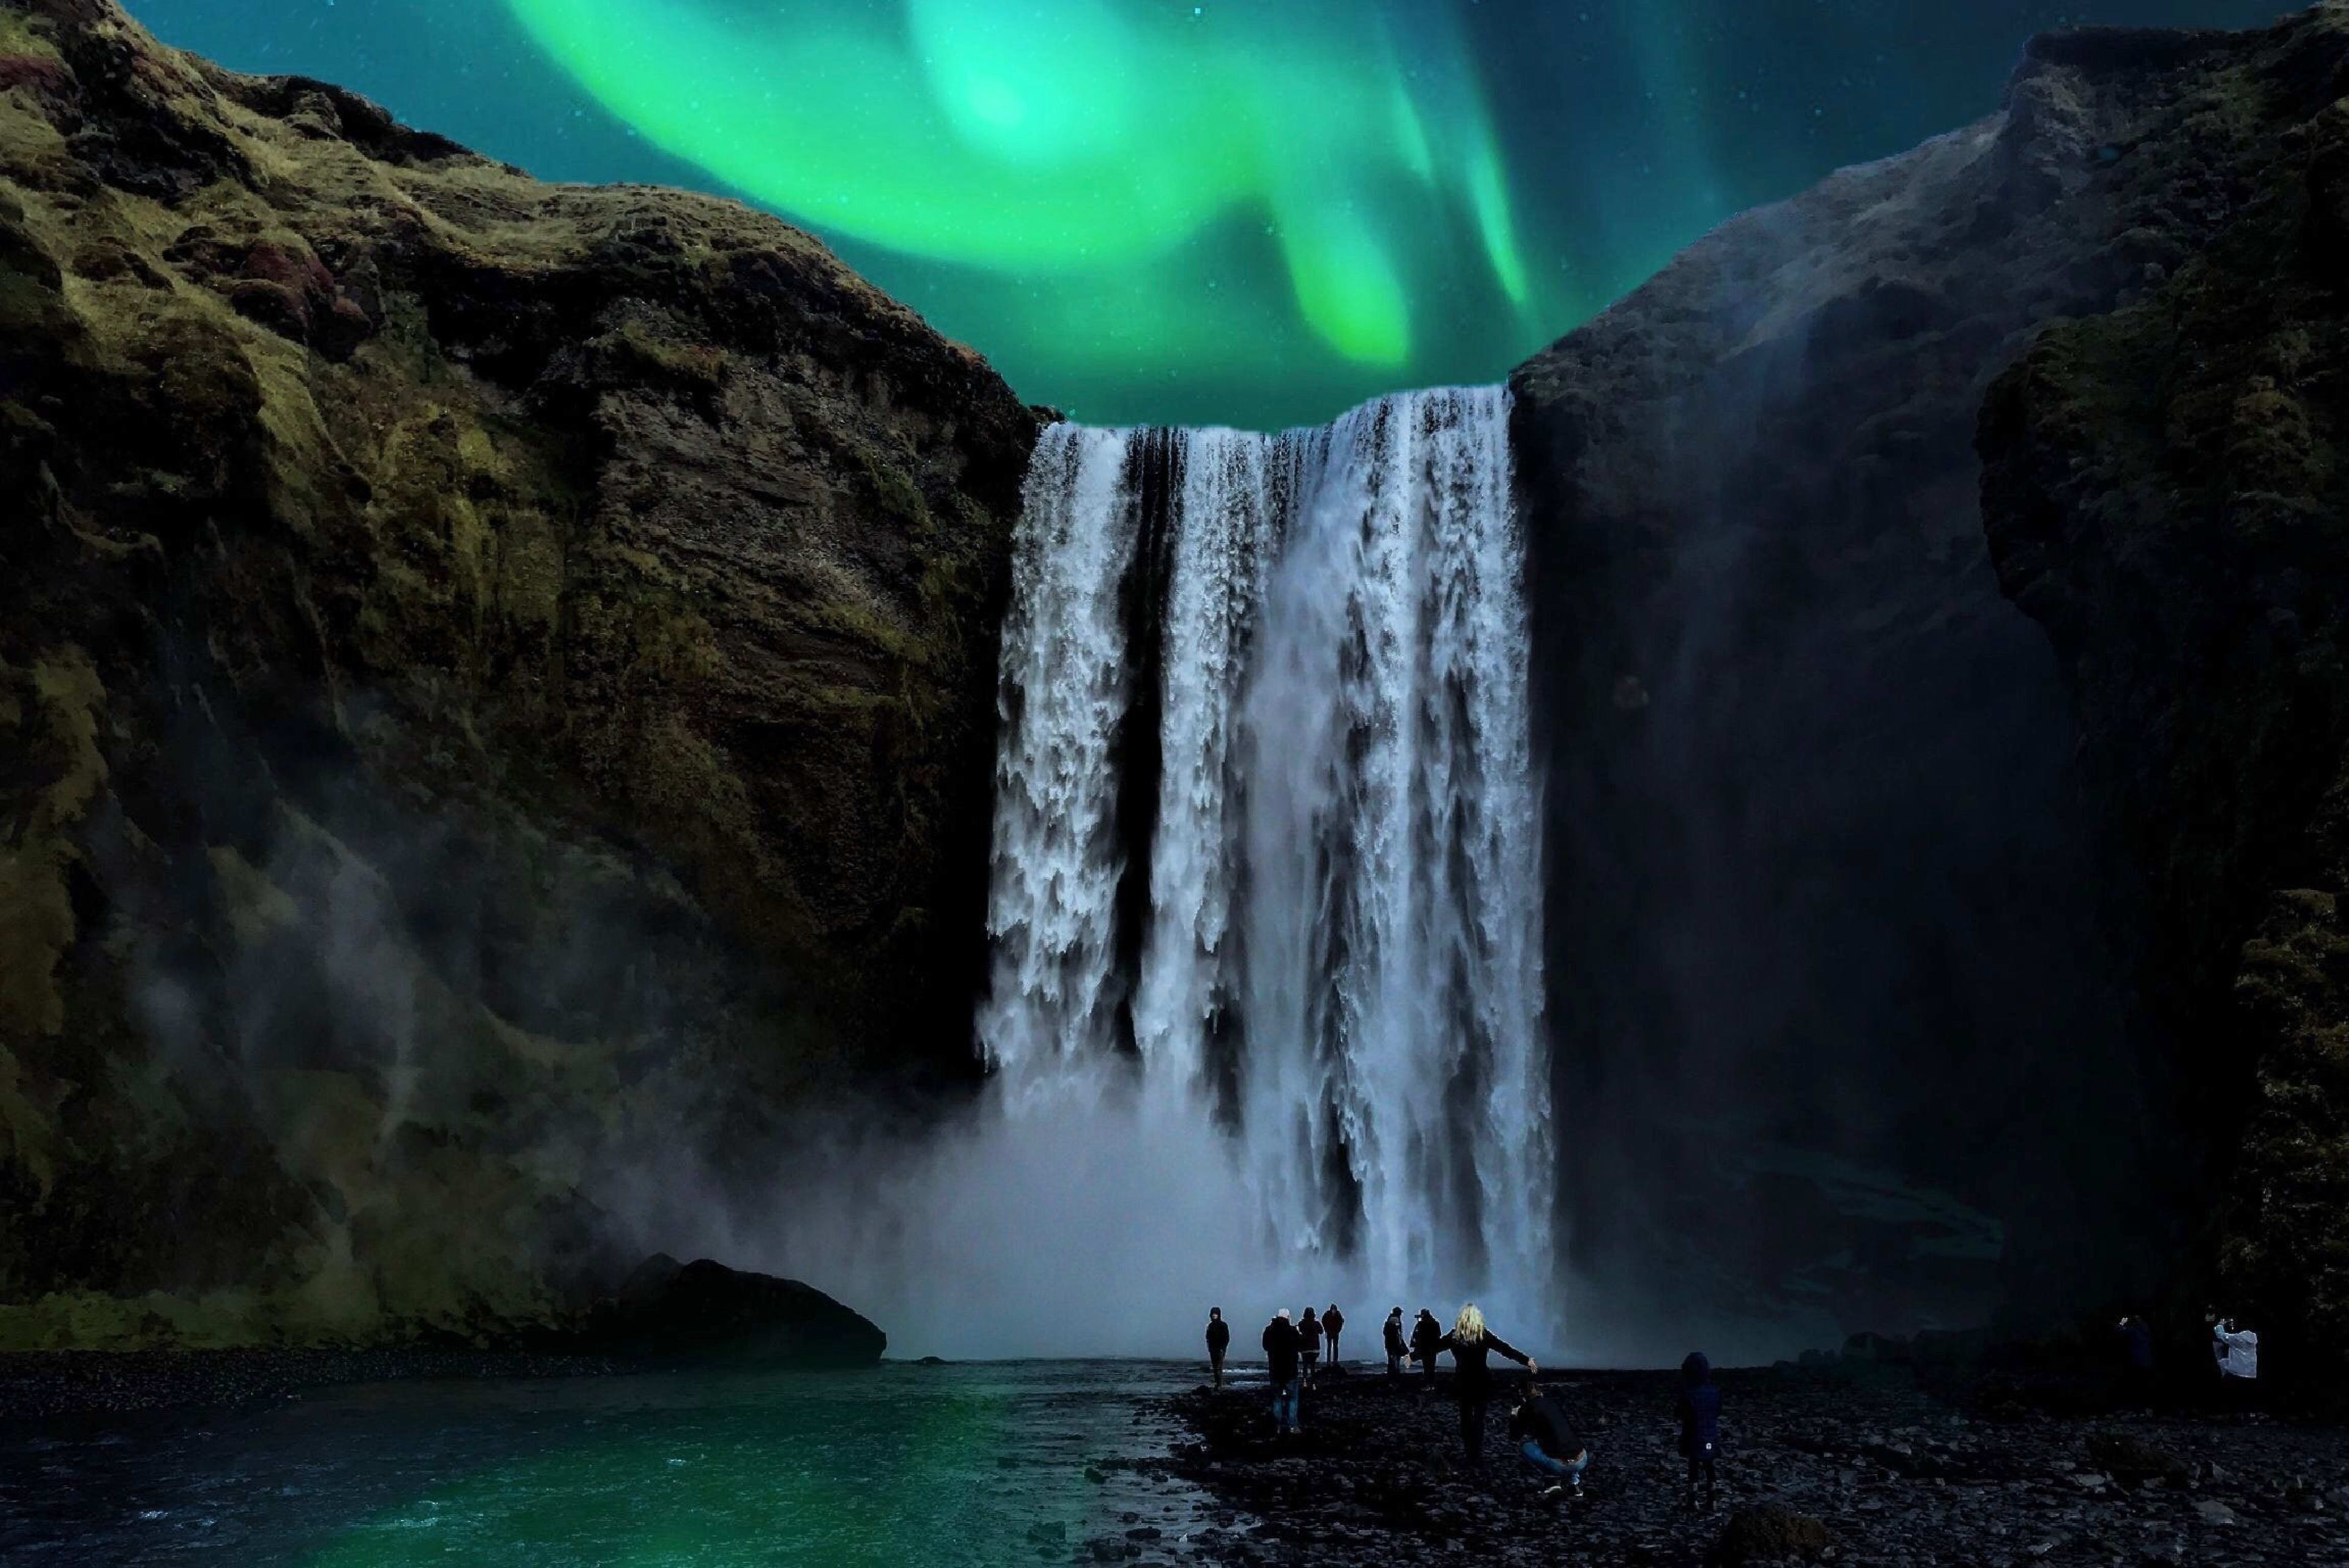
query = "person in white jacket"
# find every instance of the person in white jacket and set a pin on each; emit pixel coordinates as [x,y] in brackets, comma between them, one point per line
[2238,1350]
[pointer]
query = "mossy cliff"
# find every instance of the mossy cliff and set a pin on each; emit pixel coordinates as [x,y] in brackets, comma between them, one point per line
[1820,876]
[1831,866]
[496,687]
[2166,492]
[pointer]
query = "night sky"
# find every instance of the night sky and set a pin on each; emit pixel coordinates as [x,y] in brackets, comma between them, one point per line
[1252,211]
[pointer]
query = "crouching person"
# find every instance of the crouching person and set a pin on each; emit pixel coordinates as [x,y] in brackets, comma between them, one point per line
[1547,1442]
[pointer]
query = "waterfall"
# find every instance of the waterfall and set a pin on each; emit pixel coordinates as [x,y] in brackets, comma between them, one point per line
[1267,851]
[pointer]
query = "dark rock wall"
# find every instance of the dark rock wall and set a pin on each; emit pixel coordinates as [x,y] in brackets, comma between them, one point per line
[497,689]
[1822,875]
[2165,493]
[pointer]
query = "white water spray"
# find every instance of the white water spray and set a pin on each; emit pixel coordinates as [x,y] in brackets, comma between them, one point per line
[1332,999]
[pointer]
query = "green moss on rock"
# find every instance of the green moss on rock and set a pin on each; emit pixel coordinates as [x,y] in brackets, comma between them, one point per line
[2165,493]
[490,667]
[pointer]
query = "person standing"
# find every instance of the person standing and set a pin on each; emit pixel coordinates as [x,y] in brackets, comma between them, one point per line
[1396,1347]
[1547,1442]
[2238,1350]
[1333,1324]
[1426,1343]
[1698,1405]
[1311,1331]
[2136,1359]
[1471,1345]
[1282,1347]
[1219,1340]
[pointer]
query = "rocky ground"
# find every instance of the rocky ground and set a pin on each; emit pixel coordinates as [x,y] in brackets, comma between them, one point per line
[1818,1468]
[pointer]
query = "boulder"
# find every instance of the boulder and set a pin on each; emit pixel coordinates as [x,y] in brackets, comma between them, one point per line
[668,1311]
[2128,1458]
[1770,1534]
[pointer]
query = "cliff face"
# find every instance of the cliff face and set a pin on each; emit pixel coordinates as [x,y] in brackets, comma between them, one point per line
[2165,494]
[493,674]
[1823,876]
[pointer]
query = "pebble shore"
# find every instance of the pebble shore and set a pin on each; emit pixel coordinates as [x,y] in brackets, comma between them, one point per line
[1817,1469]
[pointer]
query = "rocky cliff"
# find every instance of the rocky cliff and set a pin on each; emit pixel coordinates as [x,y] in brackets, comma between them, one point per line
[497,687]
[1828,893]
[2165,494]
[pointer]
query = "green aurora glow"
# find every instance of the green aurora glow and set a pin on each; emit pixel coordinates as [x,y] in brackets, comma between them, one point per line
[1246,211]
[1081,148]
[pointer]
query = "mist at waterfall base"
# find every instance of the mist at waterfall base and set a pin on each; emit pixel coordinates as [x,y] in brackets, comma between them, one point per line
[1266,1012]
[1265,1016]
[1196,214]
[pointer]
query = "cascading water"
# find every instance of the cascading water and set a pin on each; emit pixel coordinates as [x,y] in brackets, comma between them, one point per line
[1267,854]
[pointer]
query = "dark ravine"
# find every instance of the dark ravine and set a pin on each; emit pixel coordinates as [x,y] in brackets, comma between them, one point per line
[1826,870]
[493,677]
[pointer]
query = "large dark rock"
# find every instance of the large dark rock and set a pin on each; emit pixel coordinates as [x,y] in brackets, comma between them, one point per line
[2167,495]
[1823,890]
[496,689]
[704,1311]
[1770,1534]
[2133,1459]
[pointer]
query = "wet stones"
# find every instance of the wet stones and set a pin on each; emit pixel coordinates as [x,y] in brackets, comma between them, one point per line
[1814,1469]
[2131,1460]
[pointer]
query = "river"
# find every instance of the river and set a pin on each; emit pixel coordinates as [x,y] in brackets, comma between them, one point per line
[972,1464]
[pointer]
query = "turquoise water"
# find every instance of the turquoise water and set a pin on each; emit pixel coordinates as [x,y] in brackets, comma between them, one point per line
[967,1464]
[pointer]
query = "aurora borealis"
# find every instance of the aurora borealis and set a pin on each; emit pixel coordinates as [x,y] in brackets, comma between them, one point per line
[1100,141]
[1253,212]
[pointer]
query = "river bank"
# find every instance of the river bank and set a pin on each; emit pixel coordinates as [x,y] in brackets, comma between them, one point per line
[1890,1475]
[53,1385]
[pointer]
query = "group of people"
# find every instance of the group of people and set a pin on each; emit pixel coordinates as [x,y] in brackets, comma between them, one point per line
[1546,1438]
[1309,1334]
[2234,1350]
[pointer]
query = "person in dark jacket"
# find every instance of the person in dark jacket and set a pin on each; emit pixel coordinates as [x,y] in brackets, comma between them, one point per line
[1471,1345]
[1547,1442]
[1333,1324]
[1699,1408]
[1282,1347]
[1310,1331]
[2136,1359]
[1426,1342]
[1397,1347]
[1219,1340]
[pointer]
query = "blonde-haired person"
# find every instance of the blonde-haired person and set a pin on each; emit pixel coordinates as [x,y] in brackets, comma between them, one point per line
[1472,1344]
